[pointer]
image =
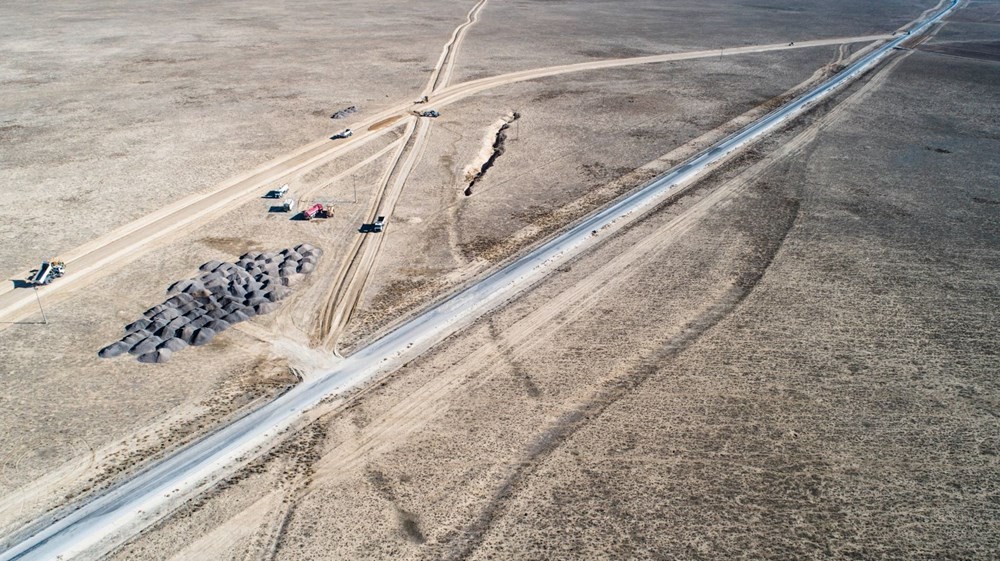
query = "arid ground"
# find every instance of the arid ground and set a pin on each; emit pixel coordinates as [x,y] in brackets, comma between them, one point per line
[793,358]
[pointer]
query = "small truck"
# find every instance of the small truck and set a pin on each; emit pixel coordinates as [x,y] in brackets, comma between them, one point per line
[278,193]
[317,211]
[342,134]
[378,225]
[48,272]
[288,205]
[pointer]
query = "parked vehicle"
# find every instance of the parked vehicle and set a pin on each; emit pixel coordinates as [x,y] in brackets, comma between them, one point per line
[278,193]
[48,272]
[288,205]
[342,134]
[378,225]
[315,211]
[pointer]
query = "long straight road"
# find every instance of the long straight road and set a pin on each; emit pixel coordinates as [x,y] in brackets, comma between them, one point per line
[108,519]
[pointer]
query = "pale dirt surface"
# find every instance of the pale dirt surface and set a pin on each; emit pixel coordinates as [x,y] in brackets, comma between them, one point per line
[576,134]
[792,360]
[109,113]
[593,29]
[419,465]
[848,408]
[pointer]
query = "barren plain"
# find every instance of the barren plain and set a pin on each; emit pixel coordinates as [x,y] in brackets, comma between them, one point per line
[792,359]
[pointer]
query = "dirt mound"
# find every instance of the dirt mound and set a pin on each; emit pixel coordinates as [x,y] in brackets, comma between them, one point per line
[344,112]
[200,308]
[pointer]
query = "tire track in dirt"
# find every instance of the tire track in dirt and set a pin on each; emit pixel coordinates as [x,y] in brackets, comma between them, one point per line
[613,390]
[442,71]
[347,292]
[418,408]
[561,430]
[408,416]
[331,311]
[100,257]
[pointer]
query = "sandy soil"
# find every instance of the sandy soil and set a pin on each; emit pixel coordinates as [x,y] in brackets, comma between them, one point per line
[791,360]
[590,29]
[575,135]
[502,432]
[110,113]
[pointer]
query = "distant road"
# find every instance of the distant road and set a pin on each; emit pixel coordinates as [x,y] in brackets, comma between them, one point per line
[110,518]
[89,262]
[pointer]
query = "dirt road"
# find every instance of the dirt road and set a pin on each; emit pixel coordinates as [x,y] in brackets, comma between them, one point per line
[107,519]
[91,261]
[346,292]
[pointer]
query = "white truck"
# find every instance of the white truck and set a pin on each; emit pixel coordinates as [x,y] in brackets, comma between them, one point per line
[278,193]
[288,205]
[49,271]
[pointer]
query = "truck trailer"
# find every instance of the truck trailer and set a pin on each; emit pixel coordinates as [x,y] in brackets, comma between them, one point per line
[315,211]
[48,272]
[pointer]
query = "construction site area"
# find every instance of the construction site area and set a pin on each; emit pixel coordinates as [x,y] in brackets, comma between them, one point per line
[500,280]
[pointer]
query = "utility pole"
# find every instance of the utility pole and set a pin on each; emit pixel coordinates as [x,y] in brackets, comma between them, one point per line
[39,300]
[354,178]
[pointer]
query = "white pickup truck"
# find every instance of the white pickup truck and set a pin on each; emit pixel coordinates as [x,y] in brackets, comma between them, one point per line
[278,193]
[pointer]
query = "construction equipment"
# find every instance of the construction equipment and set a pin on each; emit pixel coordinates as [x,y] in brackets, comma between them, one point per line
[49,271]
[342,134]
[317,211]
[277,193]
[288,205]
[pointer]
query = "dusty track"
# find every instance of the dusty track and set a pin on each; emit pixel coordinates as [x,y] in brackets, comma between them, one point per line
[332,315]
[107,253]
[442,71]
[346,293]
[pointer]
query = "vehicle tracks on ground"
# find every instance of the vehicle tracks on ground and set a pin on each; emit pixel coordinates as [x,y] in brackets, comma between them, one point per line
[108,253]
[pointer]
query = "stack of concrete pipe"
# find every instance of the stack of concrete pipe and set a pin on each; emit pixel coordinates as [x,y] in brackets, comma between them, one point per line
[199,308]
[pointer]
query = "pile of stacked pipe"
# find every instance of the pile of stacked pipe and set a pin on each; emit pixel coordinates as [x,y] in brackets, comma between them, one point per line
[224,294]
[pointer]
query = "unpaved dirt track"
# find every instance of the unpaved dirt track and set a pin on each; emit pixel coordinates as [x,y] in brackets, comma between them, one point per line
[331,314]
[442,71]
[89,262]
[107,519]
[346,292]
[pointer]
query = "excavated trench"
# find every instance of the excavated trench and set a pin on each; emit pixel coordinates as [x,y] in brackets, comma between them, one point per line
[500,139]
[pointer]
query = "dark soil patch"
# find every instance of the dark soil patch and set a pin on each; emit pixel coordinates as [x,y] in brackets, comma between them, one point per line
[981,50]
[384,123]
